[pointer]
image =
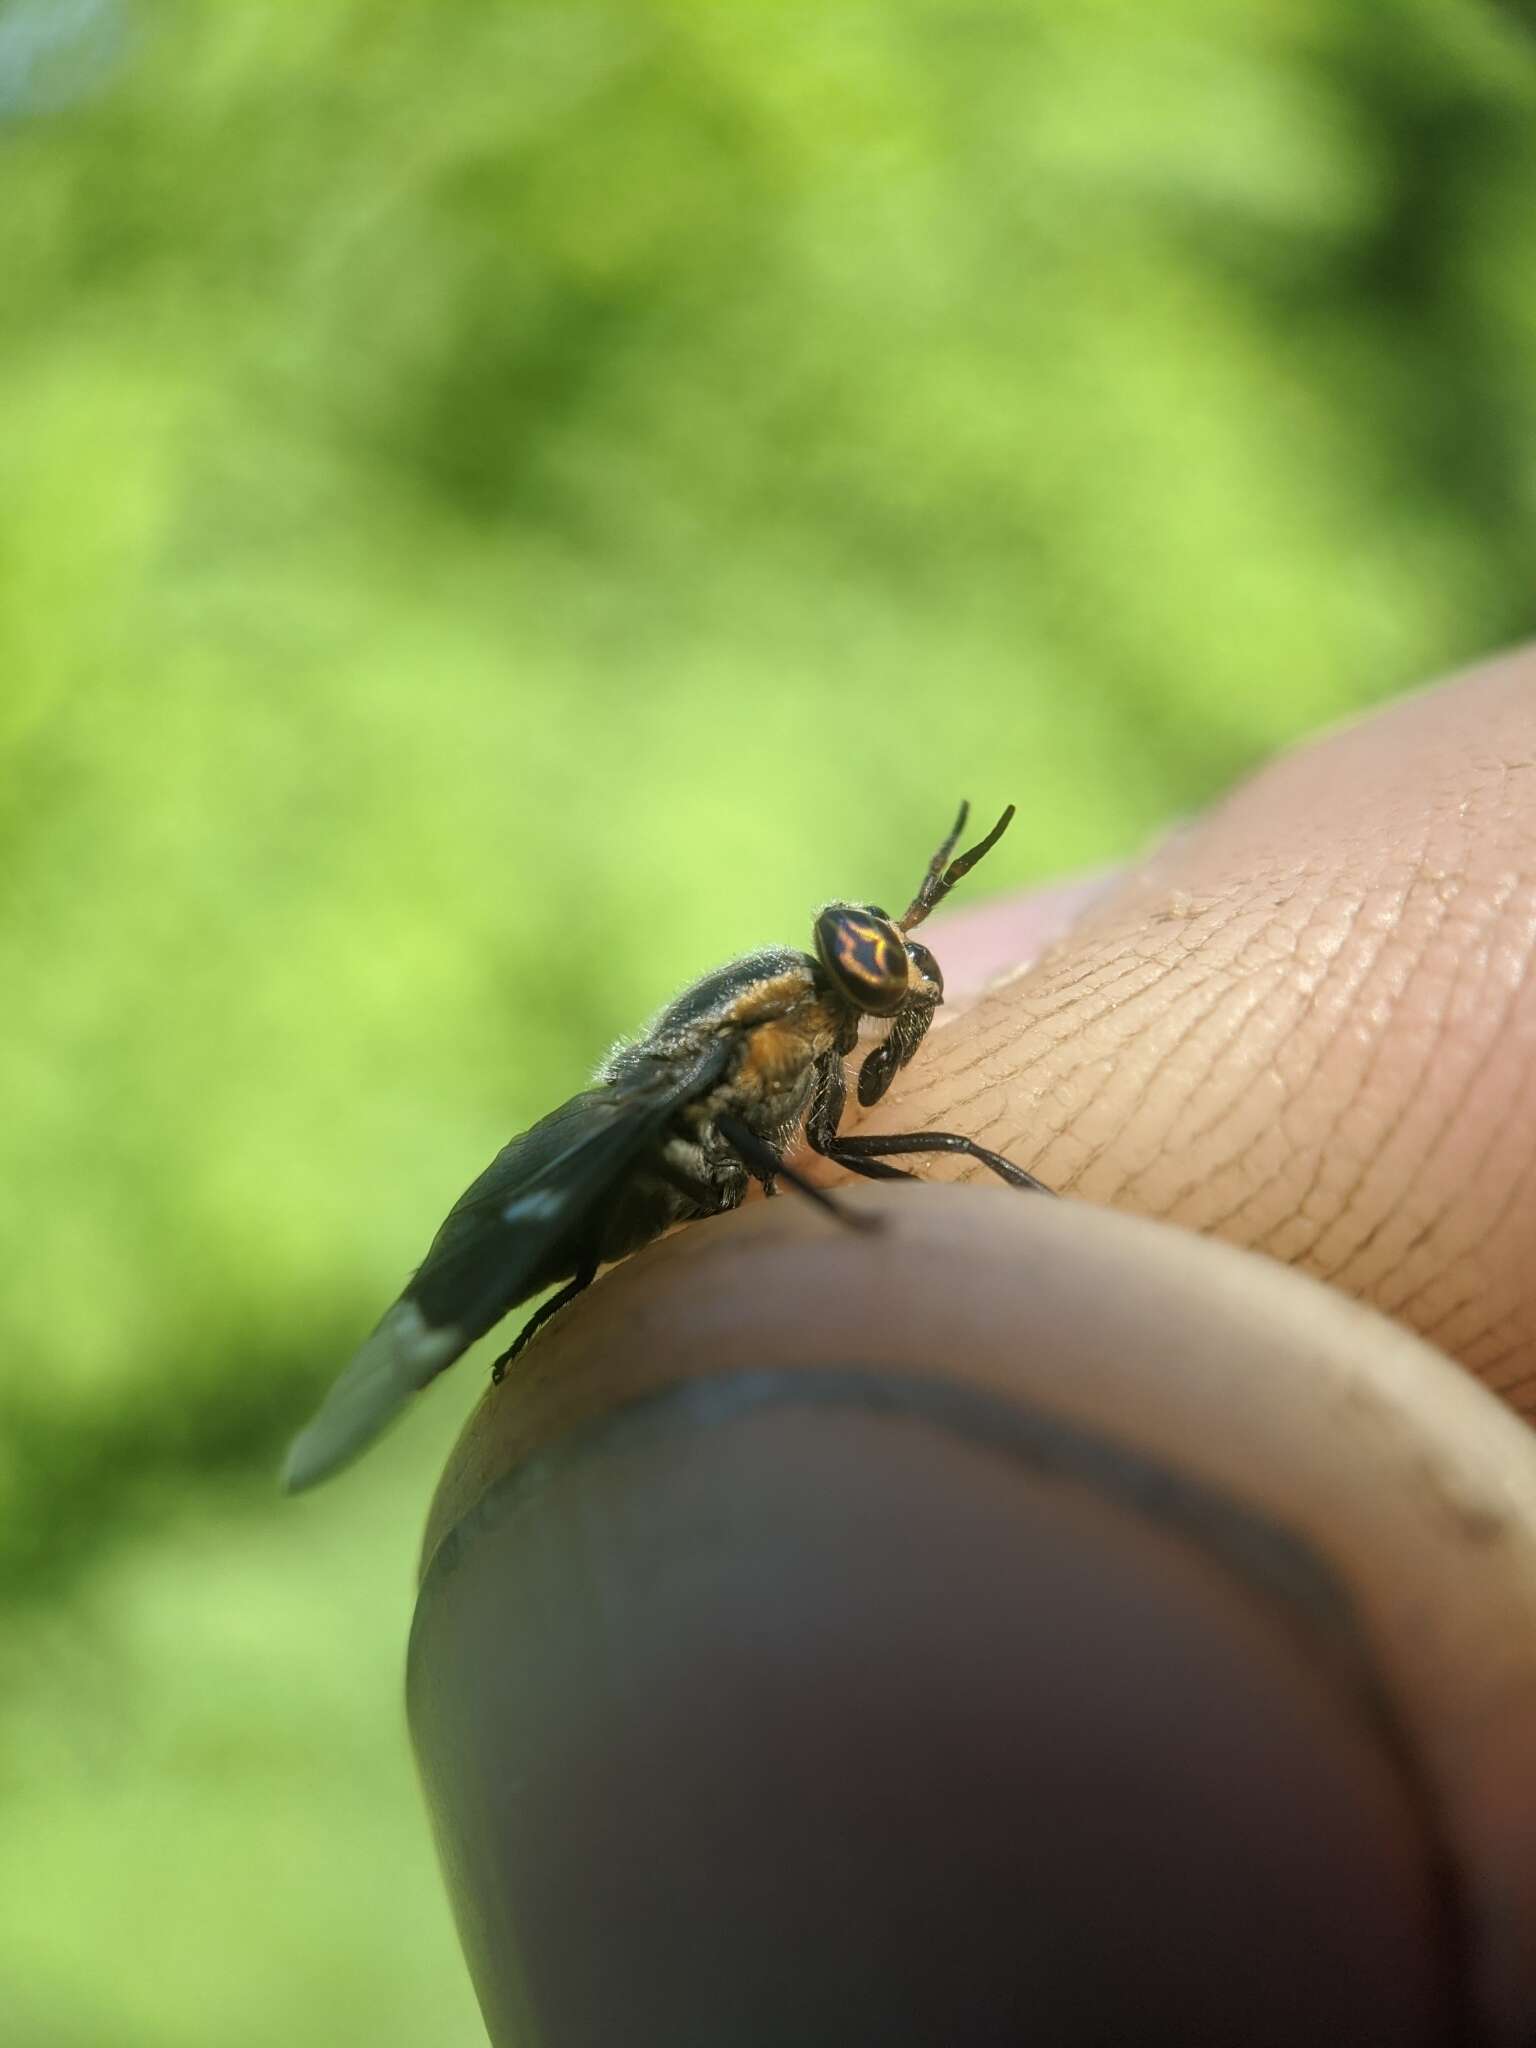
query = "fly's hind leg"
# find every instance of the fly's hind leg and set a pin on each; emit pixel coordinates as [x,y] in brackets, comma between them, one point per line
[586,1273]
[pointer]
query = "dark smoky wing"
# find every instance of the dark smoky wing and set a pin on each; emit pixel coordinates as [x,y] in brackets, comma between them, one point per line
[496,1241]
[581,1136]
[496,1244]
[509,1234]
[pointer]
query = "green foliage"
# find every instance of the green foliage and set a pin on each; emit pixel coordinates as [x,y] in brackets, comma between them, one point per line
[501,507]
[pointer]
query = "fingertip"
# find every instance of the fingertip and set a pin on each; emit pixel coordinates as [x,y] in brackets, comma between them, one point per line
[796,1706]
[1189,1364]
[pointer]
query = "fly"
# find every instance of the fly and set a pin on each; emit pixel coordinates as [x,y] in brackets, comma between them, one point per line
[676,1126]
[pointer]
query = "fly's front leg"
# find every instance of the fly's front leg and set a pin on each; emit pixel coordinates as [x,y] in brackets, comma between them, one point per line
[885,1061]
[869,1155]
[821,1127]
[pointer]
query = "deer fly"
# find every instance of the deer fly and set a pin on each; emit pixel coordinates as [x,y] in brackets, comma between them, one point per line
[675,1126]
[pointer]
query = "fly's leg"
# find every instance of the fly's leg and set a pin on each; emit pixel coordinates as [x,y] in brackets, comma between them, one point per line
[885,1061]
[871,1169]
[859,1155]
[827,1113]
[765,1164]
[586,1273]
[707,1196]
[699,1192]
[868,1156]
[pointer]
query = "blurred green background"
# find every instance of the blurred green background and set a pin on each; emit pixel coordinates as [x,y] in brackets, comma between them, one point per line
[501,507]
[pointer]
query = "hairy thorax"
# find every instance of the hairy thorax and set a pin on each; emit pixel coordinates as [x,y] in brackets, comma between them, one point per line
[784,1027]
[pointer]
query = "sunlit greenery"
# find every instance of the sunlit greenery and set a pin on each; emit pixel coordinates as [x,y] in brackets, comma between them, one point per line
[501,506]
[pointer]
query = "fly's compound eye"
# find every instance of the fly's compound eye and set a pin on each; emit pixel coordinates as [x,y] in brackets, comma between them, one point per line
[926,967]
[866,957]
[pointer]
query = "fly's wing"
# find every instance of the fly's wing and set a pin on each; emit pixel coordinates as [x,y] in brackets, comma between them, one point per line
[502,1241]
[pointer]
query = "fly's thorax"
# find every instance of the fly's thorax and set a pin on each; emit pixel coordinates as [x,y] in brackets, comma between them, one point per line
[757,984]
[716,1006]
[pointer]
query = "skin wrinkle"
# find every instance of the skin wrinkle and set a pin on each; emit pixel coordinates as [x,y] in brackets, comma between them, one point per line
[1305,985]
[1165,1079]
[1189,952]
[1365,963]
[1383,1048]
[991,1093]
[1352,1266]
[1071,1057]
[1191,1200]
[1152,955]
[1451,1119]
[1102,1069]
[1221,1023]
[1445,1325]
[1441,1331]
[1521,1195]
[1342,965]
[1473,1353]
[1440,1016]
[1146,968]
[1392,974]
[1421,957]
[1193,952]
[1468,1300]
[1478,1175]
[1204,1002]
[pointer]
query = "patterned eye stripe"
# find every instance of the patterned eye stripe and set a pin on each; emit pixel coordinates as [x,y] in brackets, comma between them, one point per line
[866,953]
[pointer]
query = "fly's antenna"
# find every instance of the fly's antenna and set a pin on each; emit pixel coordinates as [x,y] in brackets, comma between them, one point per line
[940,879]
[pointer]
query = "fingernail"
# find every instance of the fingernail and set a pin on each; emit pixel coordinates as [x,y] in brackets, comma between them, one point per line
[845,1706]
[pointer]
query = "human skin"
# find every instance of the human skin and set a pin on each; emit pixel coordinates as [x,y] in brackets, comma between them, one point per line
[1043,1619]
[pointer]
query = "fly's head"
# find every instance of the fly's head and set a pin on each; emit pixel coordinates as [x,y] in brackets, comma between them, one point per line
[878,970]
[865,957]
